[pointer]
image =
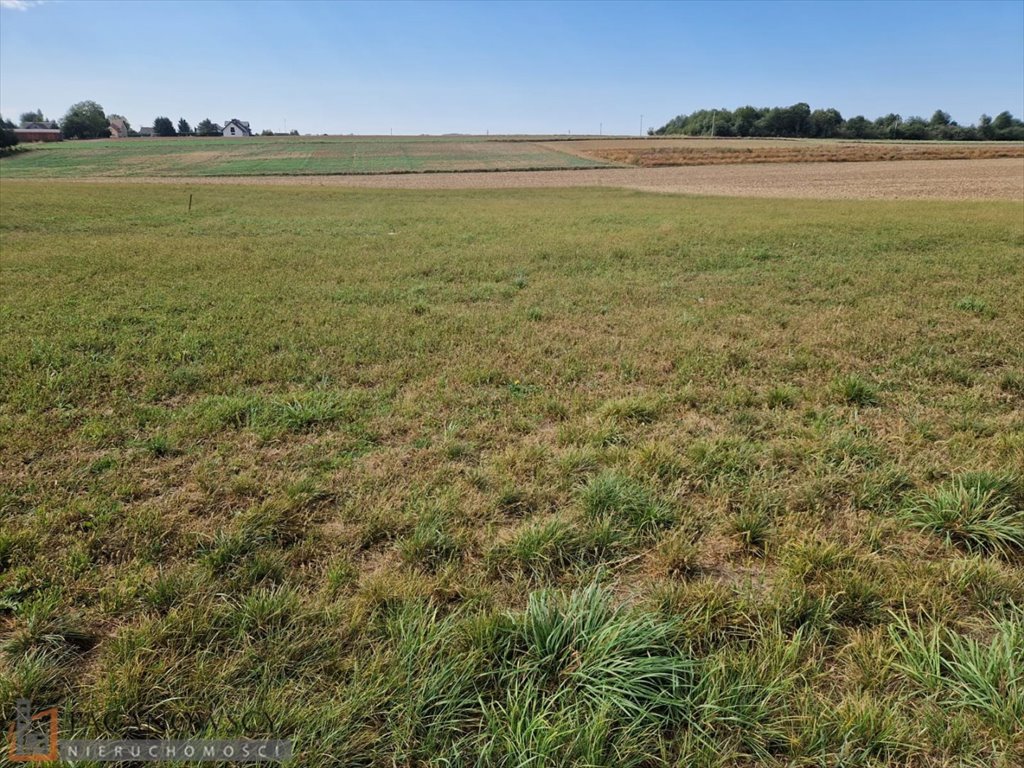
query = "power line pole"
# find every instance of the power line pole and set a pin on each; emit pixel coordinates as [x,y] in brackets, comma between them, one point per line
[641,125]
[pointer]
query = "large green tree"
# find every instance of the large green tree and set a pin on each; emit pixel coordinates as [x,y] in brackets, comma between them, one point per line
[85,120]
[163,126]
[825,123]
[206,127]
[859,127]
[33,117]
[1002,121]
[184,129]
[8,138]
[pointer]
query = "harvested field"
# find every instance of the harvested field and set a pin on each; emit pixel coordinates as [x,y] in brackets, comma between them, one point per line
[656,153]
[911,180]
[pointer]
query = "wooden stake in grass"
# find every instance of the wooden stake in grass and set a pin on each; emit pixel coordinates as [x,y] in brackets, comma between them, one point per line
[190,203]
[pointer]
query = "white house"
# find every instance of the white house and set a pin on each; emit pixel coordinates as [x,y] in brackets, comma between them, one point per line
[235,127]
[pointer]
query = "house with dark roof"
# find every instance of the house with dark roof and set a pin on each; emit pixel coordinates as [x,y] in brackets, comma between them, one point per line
[237,128]
[146,130]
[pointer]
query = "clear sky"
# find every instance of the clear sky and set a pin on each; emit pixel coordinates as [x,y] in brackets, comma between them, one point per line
[520,67]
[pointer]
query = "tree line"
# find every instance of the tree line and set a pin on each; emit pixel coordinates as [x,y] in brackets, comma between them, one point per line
[84,120]
[799,121]
[87,120]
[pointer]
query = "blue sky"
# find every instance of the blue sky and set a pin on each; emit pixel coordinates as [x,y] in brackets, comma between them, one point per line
[521,67]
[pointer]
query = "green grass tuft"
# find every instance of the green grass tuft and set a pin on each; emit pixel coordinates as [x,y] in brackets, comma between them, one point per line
[974,515]
[622,499]
[967,673]
[857,391]
[975,306]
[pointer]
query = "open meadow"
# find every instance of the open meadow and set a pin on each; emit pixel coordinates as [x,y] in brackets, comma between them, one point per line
[586,477]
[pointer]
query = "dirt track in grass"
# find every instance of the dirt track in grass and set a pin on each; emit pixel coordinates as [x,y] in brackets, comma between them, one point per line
[1001,179]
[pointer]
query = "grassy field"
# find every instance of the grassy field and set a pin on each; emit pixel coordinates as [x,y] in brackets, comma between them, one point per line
[537,477]
[261,156]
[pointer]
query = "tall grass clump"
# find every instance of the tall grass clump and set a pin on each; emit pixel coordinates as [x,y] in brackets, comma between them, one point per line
[961,672]
[856,390]
[548,549]
[579,680]
[974,515]
[624,500]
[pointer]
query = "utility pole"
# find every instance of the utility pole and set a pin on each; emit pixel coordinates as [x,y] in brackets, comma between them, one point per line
[641,125]
[714,114]
[600,129]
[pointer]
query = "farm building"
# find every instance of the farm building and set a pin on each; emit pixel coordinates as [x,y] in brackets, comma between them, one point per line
[146,130]
[237,128]
[118,128]
[38,132]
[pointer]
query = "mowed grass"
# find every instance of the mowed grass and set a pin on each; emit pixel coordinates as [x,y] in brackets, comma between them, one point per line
[555,477]
[283,156]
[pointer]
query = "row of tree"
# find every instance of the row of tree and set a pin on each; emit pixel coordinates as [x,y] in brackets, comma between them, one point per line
[84,120]
[801,122]
[87,120]
[162,126]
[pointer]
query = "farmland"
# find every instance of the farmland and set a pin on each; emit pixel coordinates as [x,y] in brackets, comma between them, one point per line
[261,156]
[362,155]
[912,180]
[491,477]
[660,152]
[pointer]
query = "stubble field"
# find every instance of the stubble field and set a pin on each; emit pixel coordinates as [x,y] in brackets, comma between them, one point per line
[657,152]
[555,476]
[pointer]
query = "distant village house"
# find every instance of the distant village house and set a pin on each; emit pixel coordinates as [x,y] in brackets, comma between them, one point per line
[146,130]
[236,128]
[38,132]
[118,128]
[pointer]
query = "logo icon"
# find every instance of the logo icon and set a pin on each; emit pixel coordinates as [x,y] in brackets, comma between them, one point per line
[32,738]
